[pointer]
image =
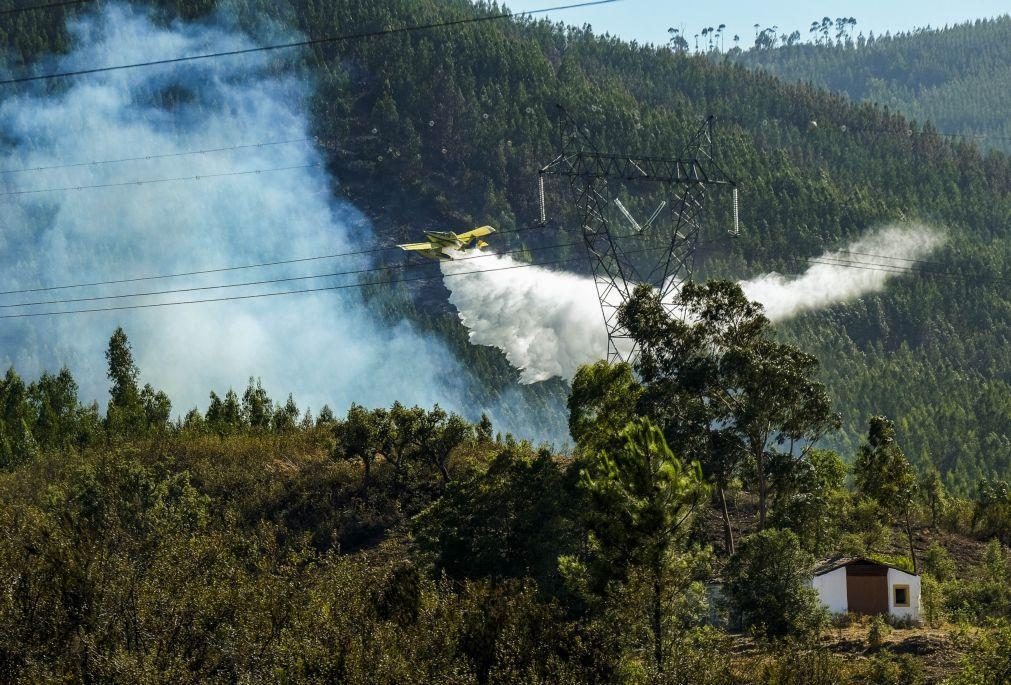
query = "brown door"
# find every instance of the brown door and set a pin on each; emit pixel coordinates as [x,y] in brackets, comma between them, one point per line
[867,589]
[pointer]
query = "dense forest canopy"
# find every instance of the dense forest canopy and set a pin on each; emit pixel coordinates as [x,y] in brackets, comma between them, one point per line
[954,77]
[465,147]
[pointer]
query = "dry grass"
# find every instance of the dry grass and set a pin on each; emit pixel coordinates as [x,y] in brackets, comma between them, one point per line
[934,648]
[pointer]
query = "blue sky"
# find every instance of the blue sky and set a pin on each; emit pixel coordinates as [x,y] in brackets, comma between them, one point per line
[648,20]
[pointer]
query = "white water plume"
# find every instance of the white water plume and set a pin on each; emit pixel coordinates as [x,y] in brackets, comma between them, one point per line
[548,323]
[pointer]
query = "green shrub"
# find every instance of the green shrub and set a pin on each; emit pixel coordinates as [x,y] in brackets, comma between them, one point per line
[801,663]
[937,562]
[932,596]
[867,522]
[988,656]
[876,633]
[995,562]
[988,595]
[890,669]
[958,514]
[768,585]
[976,600]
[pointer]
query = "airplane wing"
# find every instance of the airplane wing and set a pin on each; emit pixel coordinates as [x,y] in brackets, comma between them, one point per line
[476,233]
[417,246]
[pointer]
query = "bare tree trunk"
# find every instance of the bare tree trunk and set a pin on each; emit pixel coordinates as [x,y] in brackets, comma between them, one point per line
[366,478]
[728,531]
[909,534]
[658,614]
[762,489]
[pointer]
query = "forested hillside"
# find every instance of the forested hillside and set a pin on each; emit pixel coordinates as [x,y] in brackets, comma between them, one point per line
[932,351]
[251,540]
[956,77]
[255,543]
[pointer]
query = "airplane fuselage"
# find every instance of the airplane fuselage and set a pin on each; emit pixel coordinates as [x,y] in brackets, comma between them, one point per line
[440,243]
[444,239]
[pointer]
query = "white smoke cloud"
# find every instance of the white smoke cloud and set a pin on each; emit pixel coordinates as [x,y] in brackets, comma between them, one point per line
[548,323]
[843,275]
[324,347]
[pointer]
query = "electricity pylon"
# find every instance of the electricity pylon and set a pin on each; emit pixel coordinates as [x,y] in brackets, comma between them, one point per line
[683,182]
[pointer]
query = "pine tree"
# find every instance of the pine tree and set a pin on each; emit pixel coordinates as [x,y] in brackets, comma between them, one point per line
[883,473]
[122,371]
[125,414]
[643,500]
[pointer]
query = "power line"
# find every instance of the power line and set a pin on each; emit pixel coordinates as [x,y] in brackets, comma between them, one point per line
[280,262]
[881,256]
[897,268]
[285,279]
[326,288]
[306,43]
[333,255]
[329,288]
[198,272]
[282,292]
[52,5]
[909,132]
[242,146]
[383,282]
[892,268]
[165,155]
[900,267]
[152,181]
[871,266]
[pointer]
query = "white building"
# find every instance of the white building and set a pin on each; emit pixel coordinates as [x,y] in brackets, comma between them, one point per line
[862,586]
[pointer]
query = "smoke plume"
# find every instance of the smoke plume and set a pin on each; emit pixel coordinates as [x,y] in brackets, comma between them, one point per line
[863,267]
[548,323]
[324,347]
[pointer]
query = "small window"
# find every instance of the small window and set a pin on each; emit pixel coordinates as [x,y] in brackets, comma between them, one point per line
[900,595]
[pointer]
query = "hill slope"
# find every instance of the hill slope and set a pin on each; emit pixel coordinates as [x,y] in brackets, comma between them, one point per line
[449,126]
[956,77]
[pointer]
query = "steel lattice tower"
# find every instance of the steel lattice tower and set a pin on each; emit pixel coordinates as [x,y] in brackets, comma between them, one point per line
[684,182]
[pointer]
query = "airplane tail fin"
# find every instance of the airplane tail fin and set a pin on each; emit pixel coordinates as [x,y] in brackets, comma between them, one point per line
[481,244]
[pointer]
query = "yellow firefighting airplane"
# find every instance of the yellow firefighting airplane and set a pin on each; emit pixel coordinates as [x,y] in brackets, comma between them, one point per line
[440,241]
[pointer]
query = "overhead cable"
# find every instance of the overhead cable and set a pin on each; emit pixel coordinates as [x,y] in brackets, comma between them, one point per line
[52,5]
[282,292]
[241,267]
[349,286]
[896,269]
[306,43]
[268,281]
[164,155]
[152,181]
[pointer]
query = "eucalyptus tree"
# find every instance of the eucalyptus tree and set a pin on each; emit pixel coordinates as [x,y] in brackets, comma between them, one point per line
[722,389]
[359,438]
[125,414]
